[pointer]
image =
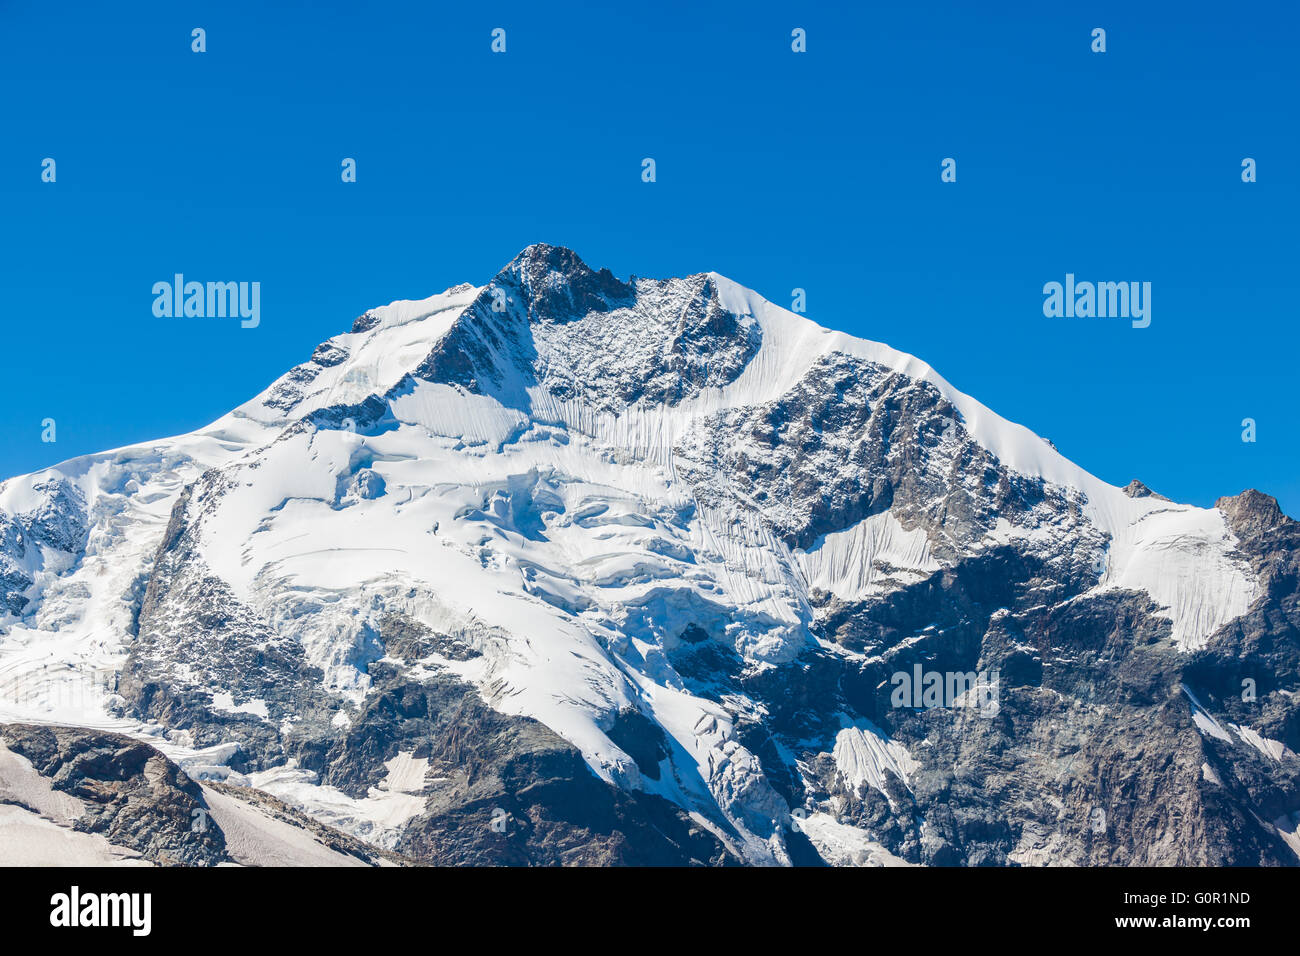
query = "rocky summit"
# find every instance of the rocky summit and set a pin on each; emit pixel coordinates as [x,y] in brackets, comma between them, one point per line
[566,569]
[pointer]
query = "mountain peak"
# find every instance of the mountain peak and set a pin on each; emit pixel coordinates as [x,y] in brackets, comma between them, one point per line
[669,544]
[1136,489]
[552,281]
[549,320]
[560,256]
[1251,512]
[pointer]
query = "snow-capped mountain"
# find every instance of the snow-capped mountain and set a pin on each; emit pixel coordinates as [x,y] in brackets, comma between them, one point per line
[570,569]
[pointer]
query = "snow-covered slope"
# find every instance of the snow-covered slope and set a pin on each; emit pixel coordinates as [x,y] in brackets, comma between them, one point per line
[601,505]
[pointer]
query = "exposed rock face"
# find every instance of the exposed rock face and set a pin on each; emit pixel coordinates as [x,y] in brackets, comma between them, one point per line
[133,795]
[510,791]
[566,569]
[1251,513]
[146,807]
[196,640]
[1135,489]
[851,440]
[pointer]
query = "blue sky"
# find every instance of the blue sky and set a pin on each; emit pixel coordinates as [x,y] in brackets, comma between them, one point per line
[781,170]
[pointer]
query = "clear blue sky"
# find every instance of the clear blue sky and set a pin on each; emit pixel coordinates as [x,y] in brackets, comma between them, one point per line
[816,170]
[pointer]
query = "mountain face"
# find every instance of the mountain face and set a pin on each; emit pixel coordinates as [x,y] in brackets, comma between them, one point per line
[566,569]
